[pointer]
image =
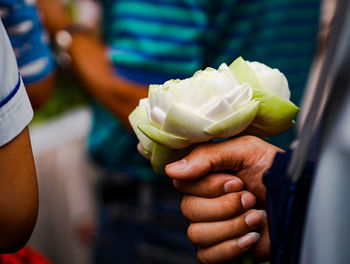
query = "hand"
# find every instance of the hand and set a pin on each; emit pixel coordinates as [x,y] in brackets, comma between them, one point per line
[247,157]
[221,215]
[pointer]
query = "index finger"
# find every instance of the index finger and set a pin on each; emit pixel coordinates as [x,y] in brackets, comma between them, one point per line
[233,154]
[212,185]
[199,209]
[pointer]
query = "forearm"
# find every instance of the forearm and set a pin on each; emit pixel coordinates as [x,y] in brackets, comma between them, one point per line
[39,92]
[18,188]
[91,63]
[92,66]
[55,15]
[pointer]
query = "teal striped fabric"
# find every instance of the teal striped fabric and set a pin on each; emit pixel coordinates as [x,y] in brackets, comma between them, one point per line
[178,37]
[175,38]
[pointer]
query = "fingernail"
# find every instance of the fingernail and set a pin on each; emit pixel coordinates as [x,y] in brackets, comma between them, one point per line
[254,218]
[248,200]
[263,212]
[232,185]
[248,240]
[178,165]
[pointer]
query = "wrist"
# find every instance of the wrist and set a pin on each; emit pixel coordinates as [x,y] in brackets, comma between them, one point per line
[64,39]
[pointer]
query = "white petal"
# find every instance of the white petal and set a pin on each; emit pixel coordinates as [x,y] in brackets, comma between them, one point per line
[148,110]
[275,82]
[158,116]
[193,93]
[137,117]
[210,69]
[234,123]
[218,111]
[164,100]
[271,80]
[143,101]
[223,67]
[232,95]
[203,87]
[204,108]
[197,73]
[152,97]
[243,97]
[186,123]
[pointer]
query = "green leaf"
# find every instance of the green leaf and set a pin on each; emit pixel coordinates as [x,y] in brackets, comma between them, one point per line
[236,122]
[185,123]
[162,156]
[164,138]
[275,113]
[137,117]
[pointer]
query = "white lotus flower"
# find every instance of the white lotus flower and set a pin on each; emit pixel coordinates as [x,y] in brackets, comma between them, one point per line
[211,104]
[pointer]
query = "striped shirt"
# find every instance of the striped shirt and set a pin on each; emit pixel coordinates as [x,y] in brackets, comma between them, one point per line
[151,41]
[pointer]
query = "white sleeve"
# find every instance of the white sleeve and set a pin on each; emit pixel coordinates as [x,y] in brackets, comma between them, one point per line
[15,108]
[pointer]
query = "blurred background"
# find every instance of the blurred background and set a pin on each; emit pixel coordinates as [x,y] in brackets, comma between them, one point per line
[87,63]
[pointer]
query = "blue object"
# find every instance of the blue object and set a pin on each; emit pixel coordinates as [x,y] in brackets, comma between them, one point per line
[28,39]
[286,204]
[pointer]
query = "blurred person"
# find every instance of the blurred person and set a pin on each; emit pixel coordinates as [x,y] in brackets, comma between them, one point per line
[37,67]
[34,59]
[150,42]
[18,185]
[280,181]
[30,44]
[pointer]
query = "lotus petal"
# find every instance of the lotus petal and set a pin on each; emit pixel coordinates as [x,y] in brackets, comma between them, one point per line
[236,122]
[185,123]
[139,116]
[262,131]
[164,138]
[157,116]
[218,111]
[271,80]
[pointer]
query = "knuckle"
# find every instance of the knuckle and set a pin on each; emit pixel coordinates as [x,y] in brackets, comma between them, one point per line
[211,180]
[211,184]
[203,148]
[231,201]
[232,248]
[187,208]
[236,227]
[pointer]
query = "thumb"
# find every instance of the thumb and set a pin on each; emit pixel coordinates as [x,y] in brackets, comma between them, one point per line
[234,154]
